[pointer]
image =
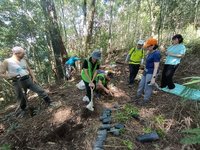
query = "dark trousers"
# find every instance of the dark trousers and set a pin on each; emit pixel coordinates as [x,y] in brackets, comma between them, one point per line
[167,76]
[88,90]
[21,87]
[133,69]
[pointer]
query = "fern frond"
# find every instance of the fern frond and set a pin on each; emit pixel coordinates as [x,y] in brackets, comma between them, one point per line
[192,131]
[191,140]
[195,77]
[192,82]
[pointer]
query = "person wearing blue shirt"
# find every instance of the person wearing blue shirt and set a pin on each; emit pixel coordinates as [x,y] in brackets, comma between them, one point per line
[70,65]
[72,60]
[150,71]
[174,54]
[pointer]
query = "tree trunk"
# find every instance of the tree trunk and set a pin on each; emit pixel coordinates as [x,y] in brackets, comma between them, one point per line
[151,6]
[160,20]
[85,12]
[62,4]
[196,16]
[136,20]
[56,39]
[84,33]
[90,27]
[110,26]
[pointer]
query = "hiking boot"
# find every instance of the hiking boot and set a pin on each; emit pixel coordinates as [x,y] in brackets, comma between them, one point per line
[47,100]
[97,95]
[54,105]
[21,113]
[86,99]
[136,99]
[143,102]
[130,85]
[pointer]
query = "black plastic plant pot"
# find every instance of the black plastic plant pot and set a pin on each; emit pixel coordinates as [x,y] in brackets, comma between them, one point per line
[97,148]
[102,133]
[108,110]
[115,131]
[99,144]
[103,117]
[107,120]
[101,138]
[149,137]
[105,126]
[136,116]
[119,126]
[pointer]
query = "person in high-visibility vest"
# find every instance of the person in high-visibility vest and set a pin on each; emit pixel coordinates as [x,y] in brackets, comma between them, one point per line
[102,80]
[135,58]
[89,72]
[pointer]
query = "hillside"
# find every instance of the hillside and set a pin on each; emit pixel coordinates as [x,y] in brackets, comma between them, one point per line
[70,126]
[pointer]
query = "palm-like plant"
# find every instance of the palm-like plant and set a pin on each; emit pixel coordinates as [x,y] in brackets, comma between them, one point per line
[193,134]
[192,80]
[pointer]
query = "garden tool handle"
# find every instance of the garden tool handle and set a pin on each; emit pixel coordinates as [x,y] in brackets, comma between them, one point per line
[91,105]
[92,89]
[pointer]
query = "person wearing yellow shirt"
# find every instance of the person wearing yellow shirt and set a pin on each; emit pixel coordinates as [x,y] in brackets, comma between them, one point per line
[135,58]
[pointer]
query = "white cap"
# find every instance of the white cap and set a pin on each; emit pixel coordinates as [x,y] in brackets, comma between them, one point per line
[17,49]
[140,42]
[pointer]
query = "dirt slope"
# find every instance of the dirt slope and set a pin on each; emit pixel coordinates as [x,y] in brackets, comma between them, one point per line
[69,126]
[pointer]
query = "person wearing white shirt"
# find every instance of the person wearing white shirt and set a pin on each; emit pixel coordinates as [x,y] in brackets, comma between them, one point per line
[17,69]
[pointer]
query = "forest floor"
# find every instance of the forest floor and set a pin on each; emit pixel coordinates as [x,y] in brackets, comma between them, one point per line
[70,126]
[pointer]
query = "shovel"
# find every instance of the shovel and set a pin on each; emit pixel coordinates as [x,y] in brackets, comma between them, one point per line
[90,106]
[155,85]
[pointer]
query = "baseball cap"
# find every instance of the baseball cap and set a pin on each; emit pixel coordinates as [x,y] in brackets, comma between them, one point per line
[140,42]
[150,42]
[96,54]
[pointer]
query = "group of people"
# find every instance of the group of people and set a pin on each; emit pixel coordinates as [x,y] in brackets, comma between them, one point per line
[136,58]
[147,51]
[94,78]
[17,69]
